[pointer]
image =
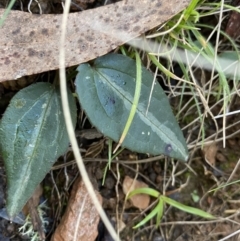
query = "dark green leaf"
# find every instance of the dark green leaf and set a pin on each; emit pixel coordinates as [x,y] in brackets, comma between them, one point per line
[105,91]
[32,136]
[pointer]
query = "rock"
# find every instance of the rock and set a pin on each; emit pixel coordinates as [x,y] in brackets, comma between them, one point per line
[79,203]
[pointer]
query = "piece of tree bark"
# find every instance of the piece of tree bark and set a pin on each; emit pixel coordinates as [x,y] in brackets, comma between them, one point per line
[29,44]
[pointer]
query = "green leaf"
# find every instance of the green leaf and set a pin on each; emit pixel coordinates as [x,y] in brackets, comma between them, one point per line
[148,217]
[160,207]
[106,90]
[186,208]
[144,190]
[32,136]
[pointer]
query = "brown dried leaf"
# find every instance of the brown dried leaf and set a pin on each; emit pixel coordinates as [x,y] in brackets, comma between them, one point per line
[210,152]
[140,201]
[87,228]
[29,44]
